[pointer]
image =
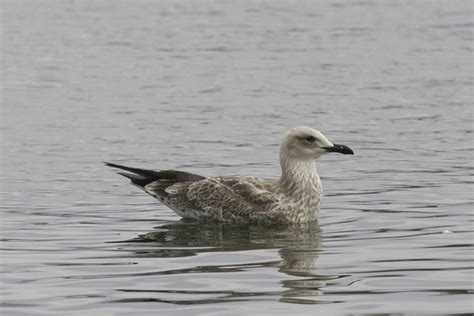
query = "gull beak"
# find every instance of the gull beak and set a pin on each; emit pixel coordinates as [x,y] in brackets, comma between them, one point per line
[343,149]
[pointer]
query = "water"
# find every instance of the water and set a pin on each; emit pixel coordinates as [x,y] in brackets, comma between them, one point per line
[210,87]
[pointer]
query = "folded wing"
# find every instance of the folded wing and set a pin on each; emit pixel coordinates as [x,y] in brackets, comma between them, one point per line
[219,198]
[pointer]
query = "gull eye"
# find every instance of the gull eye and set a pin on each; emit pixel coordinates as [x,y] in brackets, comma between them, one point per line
[311,138]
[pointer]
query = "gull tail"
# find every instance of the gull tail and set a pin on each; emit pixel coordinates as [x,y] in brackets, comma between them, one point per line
[142,177]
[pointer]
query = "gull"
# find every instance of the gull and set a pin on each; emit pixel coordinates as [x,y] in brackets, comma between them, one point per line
[294,198]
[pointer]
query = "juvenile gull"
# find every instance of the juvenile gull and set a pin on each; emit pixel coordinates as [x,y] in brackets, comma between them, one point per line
[295,197]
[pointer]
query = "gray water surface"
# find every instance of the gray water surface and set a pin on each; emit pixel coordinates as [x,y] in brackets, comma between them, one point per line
[210,87]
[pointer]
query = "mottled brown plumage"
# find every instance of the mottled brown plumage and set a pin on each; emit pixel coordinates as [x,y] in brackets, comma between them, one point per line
[295,197]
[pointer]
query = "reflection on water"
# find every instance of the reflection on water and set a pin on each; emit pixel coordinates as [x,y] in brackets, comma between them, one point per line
[298,247]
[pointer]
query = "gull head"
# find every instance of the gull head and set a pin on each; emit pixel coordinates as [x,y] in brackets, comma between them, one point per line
[305,143]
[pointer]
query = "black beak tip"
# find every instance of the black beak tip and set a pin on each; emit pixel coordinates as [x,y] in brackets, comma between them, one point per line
[350,152]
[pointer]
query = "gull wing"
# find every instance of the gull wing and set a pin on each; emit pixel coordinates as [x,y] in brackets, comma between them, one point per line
[220,198]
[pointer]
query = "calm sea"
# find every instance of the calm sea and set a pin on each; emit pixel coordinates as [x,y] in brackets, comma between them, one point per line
[210,87]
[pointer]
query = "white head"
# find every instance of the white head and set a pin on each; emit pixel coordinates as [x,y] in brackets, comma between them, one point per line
[305,143]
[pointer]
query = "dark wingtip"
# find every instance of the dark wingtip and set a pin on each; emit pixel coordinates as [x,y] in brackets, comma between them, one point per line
[114,165]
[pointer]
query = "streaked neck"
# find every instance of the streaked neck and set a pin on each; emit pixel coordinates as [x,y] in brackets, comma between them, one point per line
[298,175]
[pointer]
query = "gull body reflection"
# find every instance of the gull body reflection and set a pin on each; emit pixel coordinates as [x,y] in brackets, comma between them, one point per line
[297,246]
